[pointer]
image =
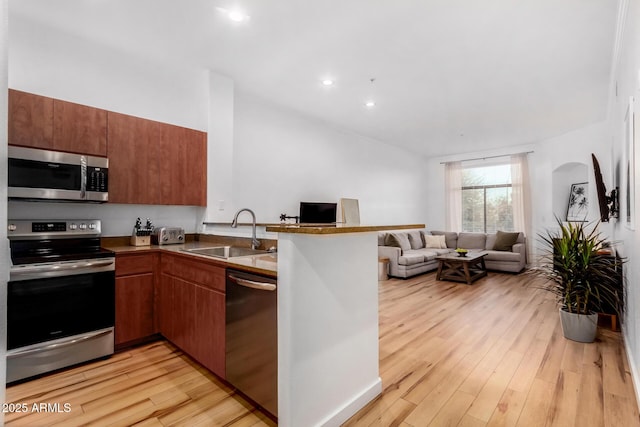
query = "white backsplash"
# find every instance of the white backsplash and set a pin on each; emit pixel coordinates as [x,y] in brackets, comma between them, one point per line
[117,219]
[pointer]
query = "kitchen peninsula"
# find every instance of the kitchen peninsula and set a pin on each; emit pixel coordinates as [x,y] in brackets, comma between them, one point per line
[327,321]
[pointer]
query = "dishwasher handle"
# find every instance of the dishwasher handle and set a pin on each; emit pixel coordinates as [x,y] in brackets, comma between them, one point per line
[253,284]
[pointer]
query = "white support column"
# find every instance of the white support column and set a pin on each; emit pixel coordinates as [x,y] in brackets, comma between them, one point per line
[220,149]
[327,327]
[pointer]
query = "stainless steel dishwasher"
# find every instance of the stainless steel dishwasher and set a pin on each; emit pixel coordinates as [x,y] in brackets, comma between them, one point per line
[252,337]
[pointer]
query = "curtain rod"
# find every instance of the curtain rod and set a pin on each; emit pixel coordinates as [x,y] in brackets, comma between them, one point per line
[487,157]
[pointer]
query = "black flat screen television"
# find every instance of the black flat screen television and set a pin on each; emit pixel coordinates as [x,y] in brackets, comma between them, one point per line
[318,213]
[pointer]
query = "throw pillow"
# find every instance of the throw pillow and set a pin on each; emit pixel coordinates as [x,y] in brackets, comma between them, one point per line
[450,238]
[434,242]
[415,239]
[398,240]
[505,241]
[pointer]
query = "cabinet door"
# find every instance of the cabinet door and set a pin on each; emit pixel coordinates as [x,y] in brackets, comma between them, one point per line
[134,176]
[184,163]
[184,305]
[195,169]
[165,307]
[210,330]
[79,128]
[30,120]
[134,307]
[155,163]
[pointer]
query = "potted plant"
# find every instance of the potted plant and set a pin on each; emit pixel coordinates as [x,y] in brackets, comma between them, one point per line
[584,278]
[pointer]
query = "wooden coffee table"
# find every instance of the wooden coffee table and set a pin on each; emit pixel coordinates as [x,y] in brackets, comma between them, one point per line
[465,269]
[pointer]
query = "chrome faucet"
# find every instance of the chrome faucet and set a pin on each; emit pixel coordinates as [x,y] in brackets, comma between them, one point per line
[254,242]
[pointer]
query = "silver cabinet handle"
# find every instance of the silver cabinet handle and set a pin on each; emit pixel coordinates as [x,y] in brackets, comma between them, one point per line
[263,286]
[58,345]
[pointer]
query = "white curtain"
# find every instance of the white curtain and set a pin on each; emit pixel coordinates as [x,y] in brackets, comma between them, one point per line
[453,194]
[521,197]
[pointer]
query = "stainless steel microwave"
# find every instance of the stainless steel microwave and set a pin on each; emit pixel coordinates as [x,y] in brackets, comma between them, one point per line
[51,175]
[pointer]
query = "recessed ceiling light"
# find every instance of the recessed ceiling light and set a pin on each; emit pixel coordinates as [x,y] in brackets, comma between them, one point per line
[327,82]
[370,104]
[237,16]
[234,15]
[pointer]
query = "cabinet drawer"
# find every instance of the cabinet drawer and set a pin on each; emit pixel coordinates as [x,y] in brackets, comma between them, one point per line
[194,271]
[134,264]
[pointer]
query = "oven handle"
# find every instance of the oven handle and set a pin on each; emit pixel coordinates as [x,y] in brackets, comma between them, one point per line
[53,270]
[59,345]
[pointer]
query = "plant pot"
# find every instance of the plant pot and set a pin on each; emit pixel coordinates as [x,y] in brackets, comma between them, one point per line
[579,327]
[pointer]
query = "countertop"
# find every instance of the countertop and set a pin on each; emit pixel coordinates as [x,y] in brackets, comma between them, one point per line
[262,264]
[336,228]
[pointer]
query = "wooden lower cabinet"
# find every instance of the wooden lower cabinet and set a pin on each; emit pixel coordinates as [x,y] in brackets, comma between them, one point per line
[134,308]
[209,346]
[135,297]
[191,305]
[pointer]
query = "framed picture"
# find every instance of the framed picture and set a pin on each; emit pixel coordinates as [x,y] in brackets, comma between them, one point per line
[578,202]
[629,168]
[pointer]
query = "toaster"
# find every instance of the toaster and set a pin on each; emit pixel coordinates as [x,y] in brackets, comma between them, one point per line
[167,235]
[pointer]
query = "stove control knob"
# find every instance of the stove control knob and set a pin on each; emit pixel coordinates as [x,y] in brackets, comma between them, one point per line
[165,238]
[83,226]
[73,226]
[180,237]
[12,227]
[92,226]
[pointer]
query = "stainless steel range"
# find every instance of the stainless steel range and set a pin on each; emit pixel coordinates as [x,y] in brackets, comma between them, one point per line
[61,296]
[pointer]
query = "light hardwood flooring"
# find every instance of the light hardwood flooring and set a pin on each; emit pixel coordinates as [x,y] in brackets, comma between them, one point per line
[489,354]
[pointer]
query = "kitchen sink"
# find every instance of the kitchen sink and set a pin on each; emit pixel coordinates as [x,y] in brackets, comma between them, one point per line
[226,251]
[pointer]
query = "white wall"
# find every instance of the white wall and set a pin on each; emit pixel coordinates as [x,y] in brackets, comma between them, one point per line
[117,220]
[54,64]
[281,158]
[4,249]
[627,78]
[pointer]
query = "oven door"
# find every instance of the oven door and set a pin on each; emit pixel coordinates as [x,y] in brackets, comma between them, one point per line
[61,318]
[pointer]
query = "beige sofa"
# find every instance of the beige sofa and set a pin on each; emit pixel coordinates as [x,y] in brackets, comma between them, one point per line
[408,255]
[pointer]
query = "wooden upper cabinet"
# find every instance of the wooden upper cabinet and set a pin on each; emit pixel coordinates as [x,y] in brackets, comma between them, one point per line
[79,128]
[155,163]
[30,120]
[183,157]
[150,163]
[51,124]
[134,176]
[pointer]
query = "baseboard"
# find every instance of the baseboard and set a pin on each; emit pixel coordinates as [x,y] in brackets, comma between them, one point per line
[635,379]
[351,408]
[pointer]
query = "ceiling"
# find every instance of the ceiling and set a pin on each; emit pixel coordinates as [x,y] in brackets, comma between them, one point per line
[450,75]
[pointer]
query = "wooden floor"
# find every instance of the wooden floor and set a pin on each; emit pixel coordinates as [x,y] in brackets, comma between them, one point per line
[489,354]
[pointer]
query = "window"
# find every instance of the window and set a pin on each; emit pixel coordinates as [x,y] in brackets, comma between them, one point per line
[487,198]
